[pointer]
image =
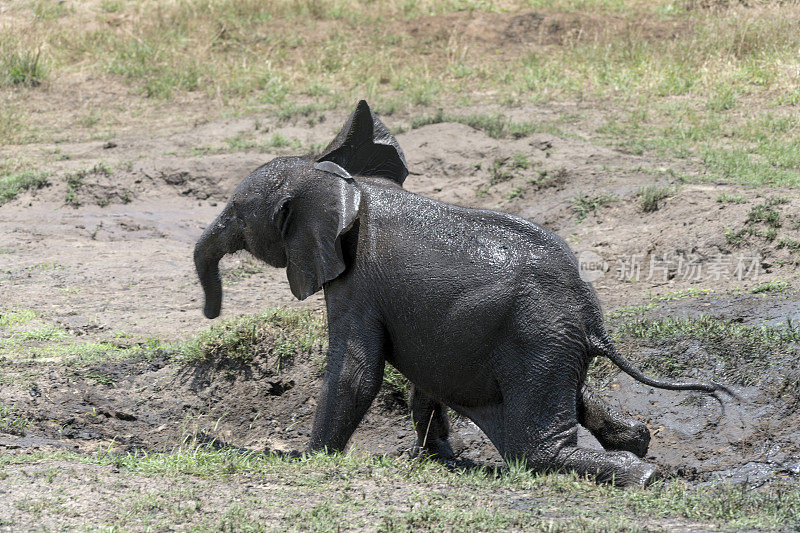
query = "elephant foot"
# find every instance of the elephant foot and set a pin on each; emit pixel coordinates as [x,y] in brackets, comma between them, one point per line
[622,469]
[632,436]
[641,475]
[615,431]
[625,470]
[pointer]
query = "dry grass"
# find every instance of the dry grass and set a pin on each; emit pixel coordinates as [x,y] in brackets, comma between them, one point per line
[719,85]
[334,50]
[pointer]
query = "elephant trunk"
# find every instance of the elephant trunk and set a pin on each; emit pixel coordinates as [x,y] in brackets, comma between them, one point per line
[220,238]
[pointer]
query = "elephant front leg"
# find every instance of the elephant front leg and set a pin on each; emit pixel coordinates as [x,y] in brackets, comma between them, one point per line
[611,428]
[353,376]
[430,422]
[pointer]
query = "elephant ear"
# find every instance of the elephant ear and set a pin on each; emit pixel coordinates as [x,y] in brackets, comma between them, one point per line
[312,222]
[366,147]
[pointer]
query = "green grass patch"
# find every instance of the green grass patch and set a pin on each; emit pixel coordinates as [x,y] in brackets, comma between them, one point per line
[48,9]
[280,141]
[396,381]
[762,151]
[630,311]
[81,354]
[723,99]
[691,292]
[741,165]
[516,193]
[311,112]
[111,6]
[26,337]
[507,168]
[14,318]
[12,421]
[74,185]
[789,243]
[45,333]
[497,126]
[766,213]
[243,141]
[582,204]
[281,333]
[744,354]
[707,327]
[278,334]
[775,286]
[436,498]
[24,327]
[651,195]
[11,185]
[731,199]
[21,67]
[763,220]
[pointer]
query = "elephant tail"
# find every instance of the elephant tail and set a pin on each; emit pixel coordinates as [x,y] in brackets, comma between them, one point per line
[605,347]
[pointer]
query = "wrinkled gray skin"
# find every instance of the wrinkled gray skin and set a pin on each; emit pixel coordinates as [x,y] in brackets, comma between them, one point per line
[482,311]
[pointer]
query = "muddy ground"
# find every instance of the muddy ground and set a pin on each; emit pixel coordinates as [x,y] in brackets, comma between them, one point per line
[110,260]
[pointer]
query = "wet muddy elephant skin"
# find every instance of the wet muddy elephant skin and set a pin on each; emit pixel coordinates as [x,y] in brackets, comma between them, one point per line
[482,311]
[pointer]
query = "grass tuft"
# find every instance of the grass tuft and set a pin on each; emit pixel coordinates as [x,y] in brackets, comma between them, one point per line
[722,100]
[19,67]
[763,214]
[651,195]
[497,126]
[776,286]
[12,421]
[506,168]
[75,181]
[243,141]
[13,184]
[280,333]
[766,213]
[582,204]
[725,198]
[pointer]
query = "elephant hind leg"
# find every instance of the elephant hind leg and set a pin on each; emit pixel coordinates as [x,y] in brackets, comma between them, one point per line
[541,428]
[431,424]
[611,428]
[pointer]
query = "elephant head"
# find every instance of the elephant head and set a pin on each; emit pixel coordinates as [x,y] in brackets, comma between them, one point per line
[293,211]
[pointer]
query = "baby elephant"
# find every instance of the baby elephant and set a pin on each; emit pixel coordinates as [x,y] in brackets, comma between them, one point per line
[482,311]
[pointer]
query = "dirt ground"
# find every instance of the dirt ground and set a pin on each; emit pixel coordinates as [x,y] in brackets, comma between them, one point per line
[125,268]
[113,262]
